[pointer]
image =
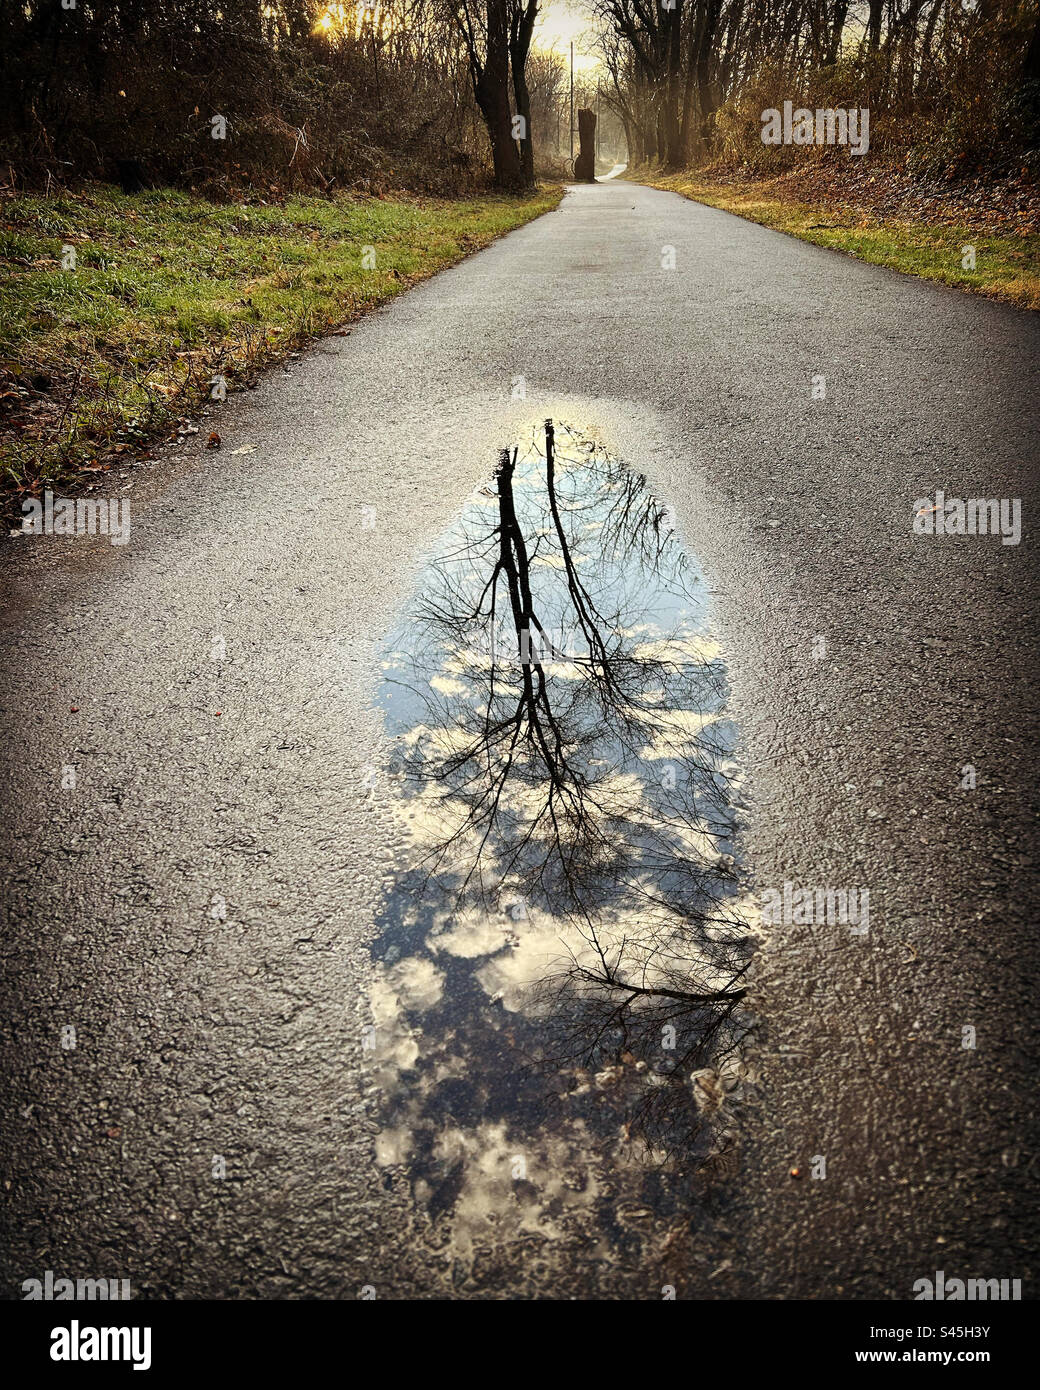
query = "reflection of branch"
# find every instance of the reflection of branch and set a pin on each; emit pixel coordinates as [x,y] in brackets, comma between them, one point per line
[718,996]
[514,561]
[553,775]
[579,596]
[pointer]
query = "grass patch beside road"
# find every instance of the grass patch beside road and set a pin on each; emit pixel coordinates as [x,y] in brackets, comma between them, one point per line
[170,290]
[1007,263]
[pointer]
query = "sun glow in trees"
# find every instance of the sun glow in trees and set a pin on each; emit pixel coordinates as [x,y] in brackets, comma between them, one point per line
[339,20]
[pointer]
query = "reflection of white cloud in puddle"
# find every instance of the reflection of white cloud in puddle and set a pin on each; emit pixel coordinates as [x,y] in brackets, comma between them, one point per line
[417,983]
[395,1045]
[545,947]
[674,729]
[517,955]
[447,685]
[472,934]
[493,1183]
[413,984]
[394,1146]
[711,1085]
[442,741]
[510,1190]
[548,1182]
[679,650]
[742,915]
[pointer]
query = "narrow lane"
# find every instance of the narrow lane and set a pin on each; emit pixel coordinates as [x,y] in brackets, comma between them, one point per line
[201,907]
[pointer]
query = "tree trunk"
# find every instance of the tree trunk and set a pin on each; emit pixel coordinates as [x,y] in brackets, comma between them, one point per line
[873,31]
[585,164]
[706,92]
[523,109]
[675,152]
[490,79]
[837,29]
[521,28]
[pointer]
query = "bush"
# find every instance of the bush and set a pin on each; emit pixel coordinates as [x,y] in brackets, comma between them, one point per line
[370,105]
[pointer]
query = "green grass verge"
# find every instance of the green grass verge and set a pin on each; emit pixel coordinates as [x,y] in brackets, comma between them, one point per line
[170,290]
[1006,267]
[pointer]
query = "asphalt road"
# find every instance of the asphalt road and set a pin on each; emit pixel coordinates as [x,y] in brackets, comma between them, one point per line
[200,1037]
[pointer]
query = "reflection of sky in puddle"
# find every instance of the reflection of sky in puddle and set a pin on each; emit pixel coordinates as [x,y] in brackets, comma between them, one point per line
[560,961]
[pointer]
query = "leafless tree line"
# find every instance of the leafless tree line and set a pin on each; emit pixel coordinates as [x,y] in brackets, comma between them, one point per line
[314,93]
[689,77]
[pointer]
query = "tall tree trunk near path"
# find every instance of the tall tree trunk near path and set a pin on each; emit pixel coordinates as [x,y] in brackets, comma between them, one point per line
[675,151]
[485,30]
[585,164]
[521,28]
[873,30]
[841,11]
[707,100]
[689,135]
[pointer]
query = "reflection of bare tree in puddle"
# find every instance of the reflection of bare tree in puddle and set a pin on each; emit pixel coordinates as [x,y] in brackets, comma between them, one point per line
[565,772]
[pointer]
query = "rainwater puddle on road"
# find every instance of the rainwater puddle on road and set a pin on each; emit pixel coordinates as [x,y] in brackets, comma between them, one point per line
[556,1014]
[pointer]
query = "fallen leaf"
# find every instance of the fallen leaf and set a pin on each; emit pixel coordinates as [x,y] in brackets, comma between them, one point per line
[245,449]
[213,442]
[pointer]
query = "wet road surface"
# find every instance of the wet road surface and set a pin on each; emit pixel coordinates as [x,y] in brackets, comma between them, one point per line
[294,1072]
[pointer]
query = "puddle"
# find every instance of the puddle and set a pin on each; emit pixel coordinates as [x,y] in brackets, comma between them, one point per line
[557,1010]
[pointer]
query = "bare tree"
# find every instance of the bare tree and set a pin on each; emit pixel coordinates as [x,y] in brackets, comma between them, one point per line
[522,16]
[951,81]
[497,37]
